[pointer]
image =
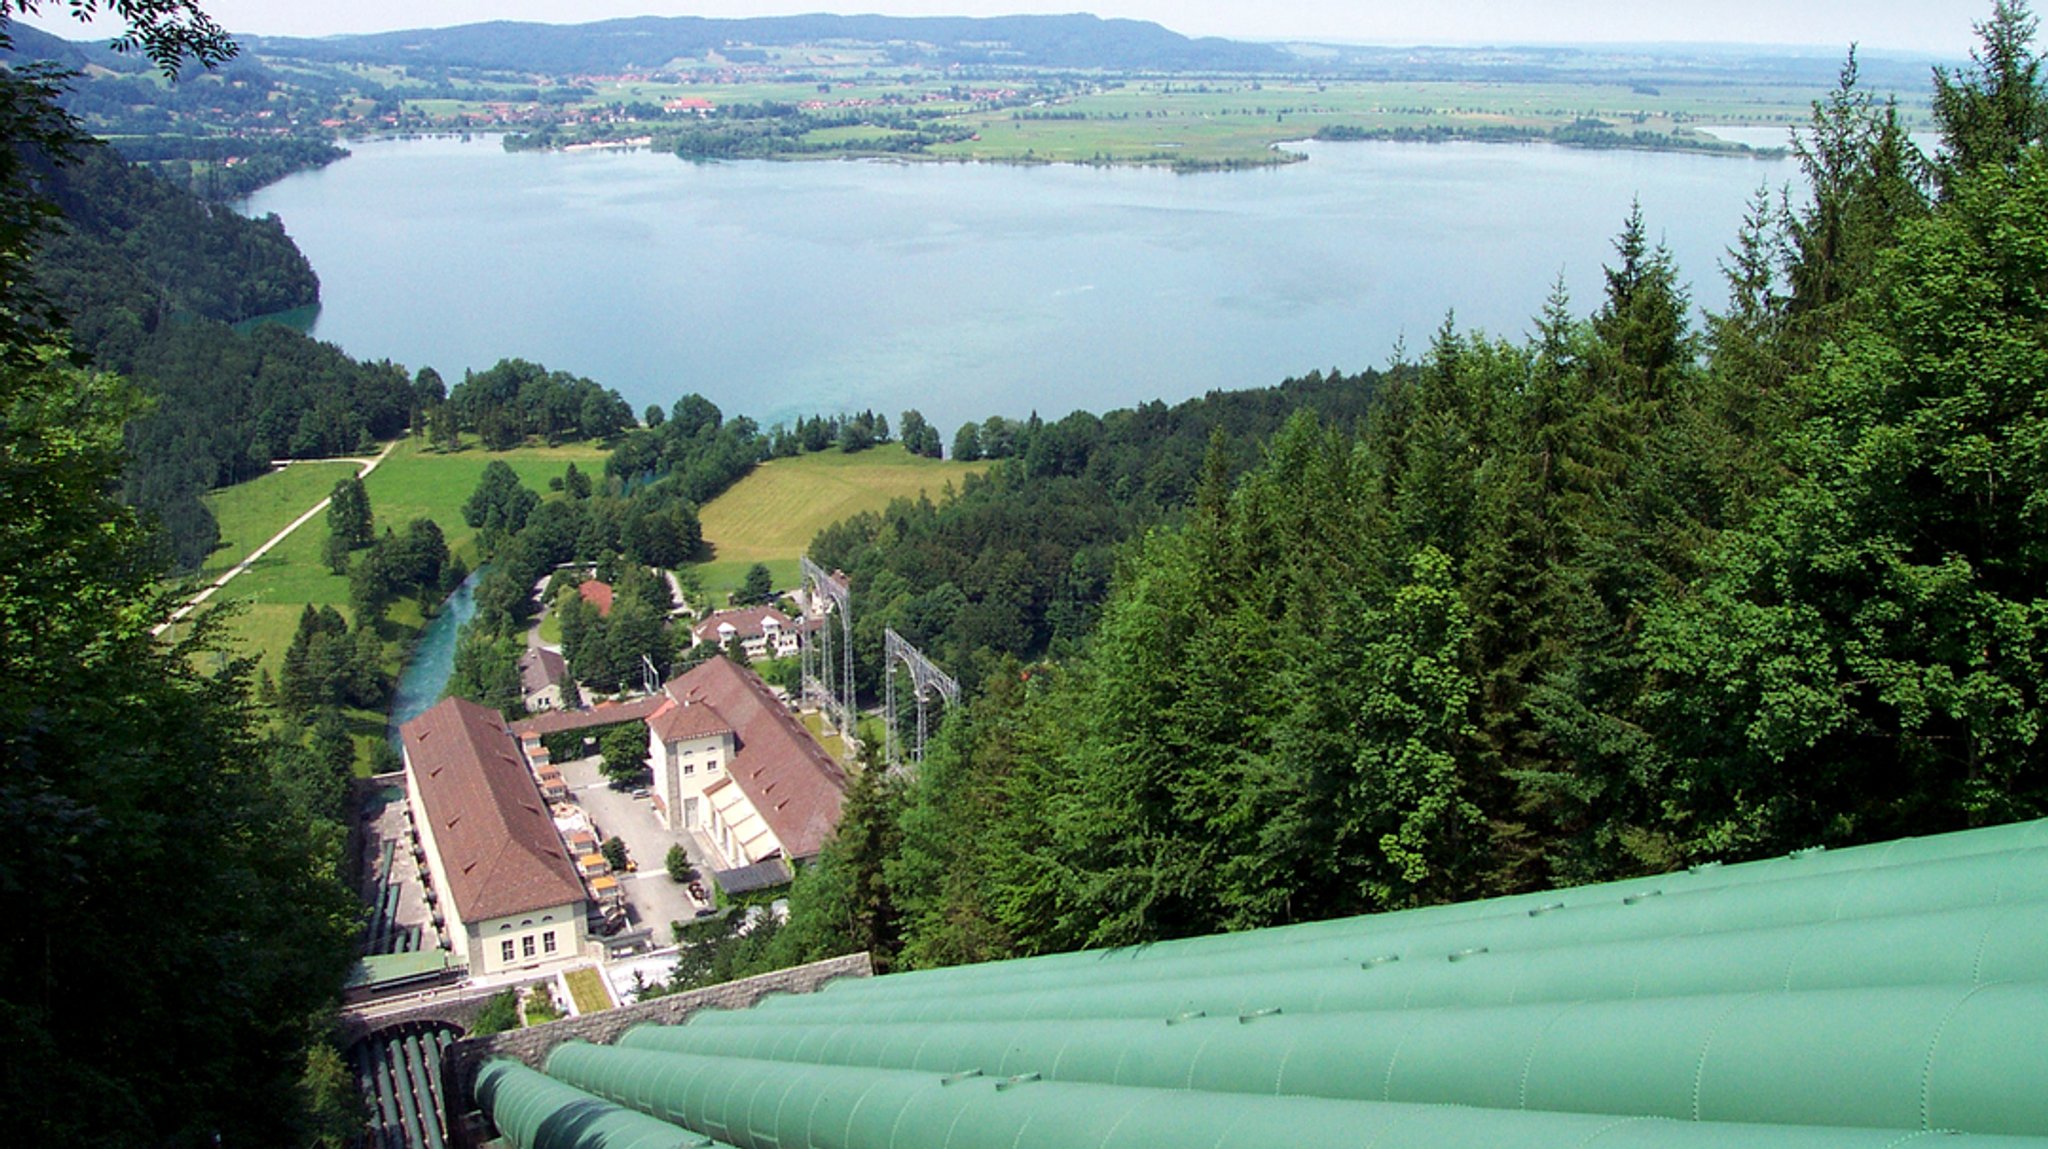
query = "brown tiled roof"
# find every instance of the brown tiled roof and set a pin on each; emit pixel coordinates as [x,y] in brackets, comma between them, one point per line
[497,842]
[675,721]
[785,774]
[603,714]
[540,668]
[597,594]
[747,623]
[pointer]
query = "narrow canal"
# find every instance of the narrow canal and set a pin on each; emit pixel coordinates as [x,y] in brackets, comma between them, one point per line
[433,658]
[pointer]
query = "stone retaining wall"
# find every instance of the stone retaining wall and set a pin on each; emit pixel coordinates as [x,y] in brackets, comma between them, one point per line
[449,1005]
[532,1045]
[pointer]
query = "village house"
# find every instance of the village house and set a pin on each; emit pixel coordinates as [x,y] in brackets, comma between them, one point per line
[761,631]
[734,765]
[542,673]
[597,594]
[511,897]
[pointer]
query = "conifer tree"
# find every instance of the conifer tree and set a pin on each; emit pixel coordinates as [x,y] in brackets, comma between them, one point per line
[1996,109]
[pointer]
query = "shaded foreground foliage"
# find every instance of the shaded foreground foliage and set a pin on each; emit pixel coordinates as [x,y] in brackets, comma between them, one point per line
[176,928]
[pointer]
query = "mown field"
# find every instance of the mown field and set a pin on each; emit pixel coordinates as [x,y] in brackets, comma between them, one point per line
[412,483]
[1240,122]
[251,512]
[771,515]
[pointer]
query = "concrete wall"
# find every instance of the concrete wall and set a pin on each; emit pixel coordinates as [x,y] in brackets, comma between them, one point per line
[565,922]
[532,1045]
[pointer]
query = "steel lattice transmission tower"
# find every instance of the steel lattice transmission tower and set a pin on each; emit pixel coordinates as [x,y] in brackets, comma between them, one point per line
[828,664]
[925,677]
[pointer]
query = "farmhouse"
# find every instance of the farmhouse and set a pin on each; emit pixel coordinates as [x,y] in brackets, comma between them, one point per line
[731,763]
[762,631]
[510,894]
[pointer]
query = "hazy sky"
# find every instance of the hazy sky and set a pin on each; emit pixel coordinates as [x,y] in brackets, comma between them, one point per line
[1934,26]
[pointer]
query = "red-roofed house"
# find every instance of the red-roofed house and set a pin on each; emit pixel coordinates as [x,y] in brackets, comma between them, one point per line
[597,594]
[511,896]
[731,762]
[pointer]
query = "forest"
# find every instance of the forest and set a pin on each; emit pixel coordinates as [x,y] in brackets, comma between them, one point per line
[1622,596]
[177,925]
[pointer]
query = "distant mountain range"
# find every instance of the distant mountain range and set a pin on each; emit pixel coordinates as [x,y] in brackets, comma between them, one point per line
[649,42]
[1059,43]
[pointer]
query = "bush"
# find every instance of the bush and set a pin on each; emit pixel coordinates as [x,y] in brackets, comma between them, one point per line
[541,1007]
[678,862]
[499,1014]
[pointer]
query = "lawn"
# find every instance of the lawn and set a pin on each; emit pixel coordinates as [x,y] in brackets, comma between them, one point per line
[587,987]
[417,482]
[414,482]
[869,727]
[772,515]
[251,512]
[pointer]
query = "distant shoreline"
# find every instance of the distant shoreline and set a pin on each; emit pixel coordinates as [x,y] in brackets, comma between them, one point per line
[1280,153]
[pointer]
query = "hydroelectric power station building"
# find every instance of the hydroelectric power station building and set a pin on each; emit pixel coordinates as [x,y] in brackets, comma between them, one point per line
[510,896]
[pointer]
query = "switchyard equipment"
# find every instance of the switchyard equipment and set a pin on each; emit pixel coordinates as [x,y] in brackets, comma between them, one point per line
[926,679]
[827,662]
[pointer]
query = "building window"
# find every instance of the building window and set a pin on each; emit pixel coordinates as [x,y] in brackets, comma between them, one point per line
[547,941]
[507,950]
[711,767]
[689,768]
[526,945]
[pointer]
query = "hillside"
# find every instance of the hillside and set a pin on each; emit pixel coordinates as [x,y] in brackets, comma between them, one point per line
[1077,41]
[137,251]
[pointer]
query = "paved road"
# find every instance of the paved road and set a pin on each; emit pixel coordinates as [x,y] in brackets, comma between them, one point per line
[652,899]
[365,466]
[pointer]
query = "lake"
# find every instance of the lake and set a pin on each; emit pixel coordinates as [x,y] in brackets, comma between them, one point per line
[783,289]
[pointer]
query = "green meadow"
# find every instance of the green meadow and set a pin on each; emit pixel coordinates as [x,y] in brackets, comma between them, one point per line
[249,513]
[772,515]
[414,482]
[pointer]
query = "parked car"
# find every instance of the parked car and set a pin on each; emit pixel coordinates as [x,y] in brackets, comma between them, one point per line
[642,792]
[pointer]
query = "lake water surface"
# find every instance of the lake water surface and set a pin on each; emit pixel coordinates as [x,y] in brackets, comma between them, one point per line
[781,289]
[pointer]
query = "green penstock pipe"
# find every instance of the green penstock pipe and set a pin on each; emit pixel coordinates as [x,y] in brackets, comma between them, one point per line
[533,1111]
[1972,946]
[783,1105]
[1908,1057]
[1644,910]
[1900,853]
